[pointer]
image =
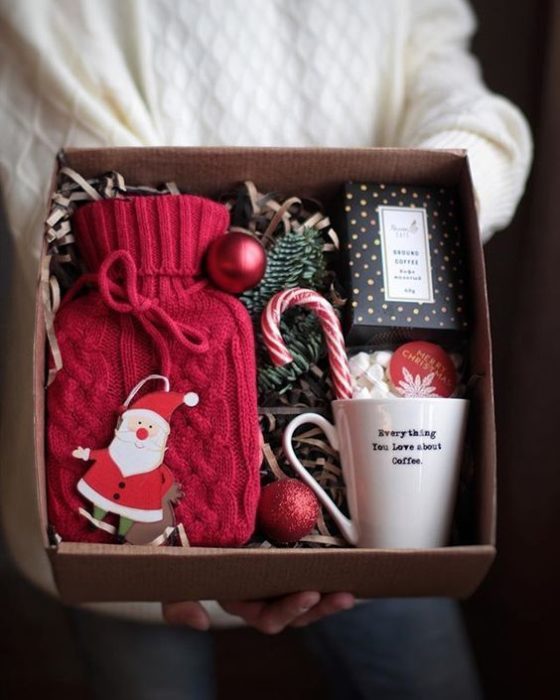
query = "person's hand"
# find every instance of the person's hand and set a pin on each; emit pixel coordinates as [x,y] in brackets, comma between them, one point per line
[269,617]
[81,453]
[175,493]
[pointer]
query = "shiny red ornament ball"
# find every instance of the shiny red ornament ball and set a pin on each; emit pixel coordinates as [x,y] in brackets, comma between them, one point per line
[236,262]
[288,510]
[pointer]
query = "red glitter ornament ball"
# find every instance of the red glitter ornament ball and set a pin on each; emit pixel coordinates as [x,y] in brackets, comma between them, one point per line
[236,262]
[288,510]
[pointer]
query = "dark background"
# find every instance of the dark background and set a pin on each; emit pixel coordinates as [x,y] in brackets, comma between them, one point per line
[514,617]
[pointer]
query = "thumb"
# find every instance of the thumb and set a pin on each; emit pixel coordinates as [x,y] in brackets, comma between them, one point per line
[186,614]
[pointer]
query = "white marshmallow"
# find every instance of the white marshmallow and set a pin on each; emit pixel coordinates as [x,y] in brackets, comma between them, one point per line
[364,383]
[457,359]
[362,393]
[375,373]
[382,357]
[359,364]
[380,391]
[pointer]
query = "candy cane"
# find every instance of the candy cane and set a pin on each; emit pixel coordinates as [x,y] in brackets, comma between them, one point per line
[280,355]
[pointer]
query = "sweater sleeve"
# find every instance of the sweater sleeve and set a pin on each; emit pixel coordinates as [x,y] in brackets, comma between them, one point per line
[447,105]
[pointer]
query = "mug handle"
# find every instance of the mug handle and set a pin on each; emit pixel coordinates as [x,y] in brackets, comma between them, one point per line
[345,525]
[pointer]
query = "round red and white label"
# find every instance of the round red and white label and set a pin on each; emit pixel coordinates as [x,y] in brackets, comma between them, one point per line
[422,370]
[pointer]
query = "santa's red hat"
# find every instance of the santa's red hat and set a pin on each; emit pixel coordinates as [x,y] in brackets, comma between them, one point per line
[158,406]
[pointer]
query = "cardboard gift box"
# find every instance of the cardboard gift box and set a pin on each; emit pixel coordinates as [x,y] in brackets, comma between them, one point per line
[95,572]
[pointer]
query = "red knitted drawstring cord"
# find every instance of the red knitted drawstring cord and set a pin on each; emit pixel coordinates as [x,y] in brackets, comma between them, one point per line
[123,297]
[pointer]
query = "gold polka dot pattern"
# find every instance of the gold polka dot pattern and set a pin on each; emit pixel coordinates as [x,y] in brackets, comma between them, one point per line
[369,309]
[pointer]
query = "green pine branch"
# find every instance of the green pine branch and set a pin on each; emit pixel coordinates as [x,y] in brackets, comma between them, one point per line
[303,337]
[295,260]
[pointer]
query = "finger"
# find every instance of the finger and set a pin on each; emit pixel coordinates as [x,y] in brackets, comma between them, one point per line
[274,617]
[328,605]
[186,614]
[271,617]
[248,610]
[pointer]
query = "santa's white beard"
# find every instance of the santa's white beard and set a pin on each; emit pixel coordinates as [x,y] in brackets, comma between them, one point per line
[133,456]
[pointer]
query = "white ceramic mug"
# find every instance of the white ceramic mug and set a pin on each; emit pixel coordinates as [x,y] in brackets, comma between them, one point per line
[401,460]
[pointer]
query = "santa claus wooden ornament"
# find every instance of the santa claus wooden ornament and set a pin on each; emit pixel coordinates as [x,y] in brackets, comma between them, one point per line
[129,477]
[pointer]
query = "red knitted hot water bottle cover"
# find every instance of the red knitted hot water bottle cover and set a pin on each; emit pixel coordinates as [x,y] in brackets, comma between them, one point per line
[130,454]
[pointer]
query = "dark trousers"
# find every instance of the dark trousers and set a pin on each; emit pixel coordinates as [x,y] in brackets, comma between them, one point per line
[390,648]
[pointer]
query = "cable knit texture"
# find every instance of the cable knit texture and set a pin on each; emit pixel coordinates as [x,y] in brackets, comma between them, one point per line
[150,310]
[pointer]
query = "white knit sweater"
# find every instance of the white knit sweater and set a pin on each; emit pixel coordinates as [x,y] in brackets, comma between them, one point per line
[222,72]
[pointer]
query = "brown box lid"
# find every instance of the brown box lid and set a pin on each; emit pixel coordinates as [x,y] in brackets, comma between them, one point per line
[93,572]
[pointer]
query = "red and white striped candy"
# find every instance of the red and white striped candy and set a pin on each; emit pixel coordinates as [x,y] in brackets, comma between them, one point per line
[280,355]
